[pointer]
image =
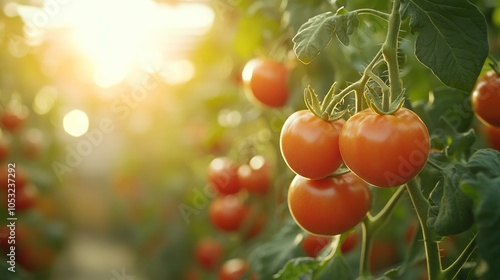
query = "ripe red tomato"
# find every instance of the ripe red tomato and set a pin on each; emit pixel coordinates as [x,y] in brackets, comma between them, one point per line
[256,225]
[486,97]
[313,244]
[310,145]
[255,177]
[266,82]
[492,136]
[328,206]
[385,150]
[208,253]
[233,269]
[349,242]
[382,255]
[223,176]
[10,120]
[17,178]
[228,213]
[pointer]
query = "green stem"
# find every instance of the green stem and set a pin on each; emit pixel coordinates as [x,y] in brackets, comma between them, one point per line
[370,225]
[451,271]
[431,247]
[373,12]
[390,53]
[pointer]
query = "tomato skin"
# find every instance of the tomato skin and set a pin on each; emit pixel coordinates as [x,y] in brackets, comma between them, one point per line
[11,121]
[328,206]
[313,244]
[234,269]
[486,97]
[310,145]
[228,213]
[223,176]
[349,243]
[255,177]
[385,150]
[208,253]
[266,82]
[492,135]
[382,255]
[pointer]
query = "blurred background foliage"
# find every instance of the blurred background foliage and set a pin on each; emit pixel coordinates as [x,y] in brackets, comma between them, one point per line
[120,186]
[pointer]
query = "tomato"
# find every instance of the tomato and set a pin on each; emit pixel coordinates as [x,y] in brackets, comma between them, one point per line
[228,213]
[328,206]
[385,150]
[492,136]
[310,145]
[10,120]
[191,274]
[486,97]
[313,244]
[349,242]
[255,177]
[208,253]
[266,82]
[223,175]
[233,269]
[256,225]
[382,255]
[18,178]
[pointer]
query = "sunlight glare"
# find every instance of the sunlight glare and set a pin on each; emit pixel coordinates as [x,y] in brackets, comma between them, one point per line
[76,123]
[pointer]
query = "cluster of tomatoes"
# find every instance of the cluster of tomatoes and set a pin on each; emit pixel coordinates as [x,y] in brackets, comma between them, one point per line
[230,211]
[382,150]
[485,101]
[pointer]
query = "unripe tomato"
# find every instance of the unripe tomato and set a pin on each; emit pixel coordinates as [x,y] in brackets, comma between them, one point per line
[310,145]
[313,244]
[255,177]
[486,98]
[385,150]
[208,253]
[266,82]
[328,206]
[223,176]
[228,213]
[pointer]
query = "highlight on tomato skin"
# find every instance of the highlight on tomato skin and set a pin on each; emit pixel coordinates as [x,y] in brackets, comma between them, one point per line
[385,150]
[235,269]
[328,206]
[310,145]
[255,177]
[266,81]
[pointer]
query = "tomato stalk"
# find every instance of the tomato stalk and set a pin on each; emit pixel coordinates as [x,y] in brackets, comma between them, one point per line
[421,206]
[370,225]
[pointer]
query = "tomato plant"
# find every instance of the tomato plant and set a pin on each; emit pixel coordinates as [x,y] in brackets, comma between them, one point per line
[266,82]
[486,97]
[208,253]
[228,213]
[328,206]
[223,175]
[309,145]
[385,150]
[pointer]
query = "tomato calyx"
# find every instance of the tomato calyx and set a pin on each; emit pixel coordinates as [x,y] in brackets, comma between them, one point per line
[376,103]
[328,109]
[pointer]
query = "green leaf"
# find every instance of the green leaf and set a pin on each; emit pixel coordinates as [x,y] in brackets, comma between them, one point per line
[485,193]
[452,39]
[314,35]
[335,268]
[451,210]
[298,268]
[269,258]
